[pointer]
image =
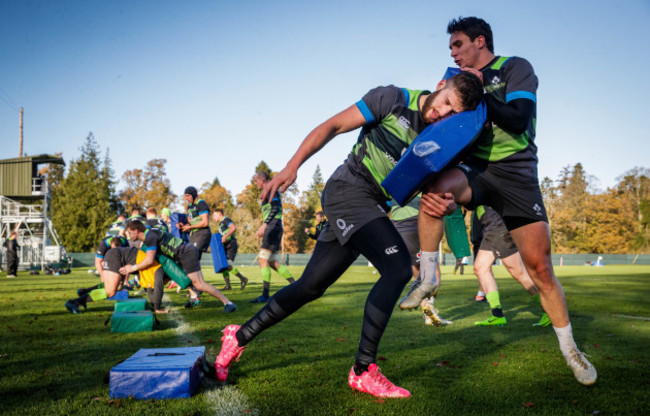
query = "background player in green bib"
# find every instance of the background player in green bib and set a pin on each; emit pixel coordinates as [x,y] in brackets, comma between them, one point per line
[227,230]
[321,223]
[198,217]
[198,225]
[153,221]
[501,172]
[271,234]
[494,243]
[118,227]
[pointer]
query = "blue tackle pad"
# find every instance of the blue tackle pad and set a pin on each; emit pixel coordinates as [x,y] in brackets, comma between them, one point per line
[440,145]
[158,373]
[120,295]
[177,218]
[219,260]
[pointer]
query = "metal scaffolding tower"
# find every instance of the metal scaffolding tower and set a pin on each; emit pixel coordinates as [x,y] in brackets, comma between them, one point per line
[29,213]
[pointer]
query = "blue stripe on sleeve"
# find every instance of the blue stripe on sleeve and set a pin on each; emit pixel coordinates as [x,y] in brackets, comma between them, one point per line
[98,256]
[151,248]
[203,212]
[407,96]
[521,94]
[365,112]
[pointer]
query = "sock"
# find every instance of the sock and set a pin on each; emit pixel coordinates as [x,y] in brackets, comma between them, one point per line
[226,274]
[81,300]
[428,264]
[360,369]
[240,339]
[266,288]
[539,301]
[284,272]
[565,338]
[266,274]
[495,303]
[235,271]
[98,294]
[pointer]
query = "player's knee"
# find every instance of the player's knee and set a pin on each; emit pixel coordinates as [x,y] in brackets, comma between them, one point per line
[544,278]
[309,291]
[397,266]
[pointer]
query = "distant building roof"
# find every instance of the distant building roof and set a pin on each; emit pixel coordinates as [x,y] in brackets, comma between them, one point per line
[35,159]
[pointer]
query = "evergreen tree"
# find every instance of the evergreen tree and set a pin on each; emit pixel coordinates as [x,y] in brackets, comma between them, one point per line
[81,204]
[310,203]
[634,186]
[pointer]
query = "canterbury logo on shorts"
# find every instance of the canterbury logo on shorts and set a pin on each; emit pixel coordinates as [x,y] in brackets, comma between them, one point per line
[391,250]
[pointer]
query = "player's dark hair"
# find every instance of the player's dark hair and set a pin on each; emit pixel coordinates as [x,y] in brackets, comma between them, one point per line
[152,210]
[472,27]
[263,175]
[219,210]
[136,225]
[469,88]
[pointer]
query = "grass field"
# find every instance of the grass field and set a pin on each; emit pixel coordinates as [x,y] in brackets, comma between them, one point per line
[53,362]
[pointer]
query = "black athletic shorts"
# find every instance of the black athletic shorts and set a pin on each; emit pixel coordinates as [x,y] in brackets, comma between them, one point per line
[408,229]
[515,195]
[188,257]
[116,258]
[496,237]
[349,207]
[231,248]
[272,239]
[200,239]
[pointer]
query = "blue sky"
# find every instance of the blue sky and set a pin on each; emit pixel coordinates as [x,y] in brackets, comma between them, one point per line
[214,86]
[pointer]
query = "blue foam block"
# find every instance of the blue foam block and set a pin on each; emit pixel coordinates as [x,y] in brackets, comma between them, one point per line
[178,218]
[219,260]
[119,295]
[440,145]
[158,373]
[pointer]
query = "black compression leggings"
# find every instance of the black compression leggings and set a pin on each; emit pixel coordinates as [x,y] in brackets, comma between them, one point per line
[380,243]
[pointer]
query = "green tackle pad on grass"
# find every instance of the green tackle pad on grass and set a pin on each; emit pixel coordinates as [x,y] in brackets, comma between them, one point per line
[132,321]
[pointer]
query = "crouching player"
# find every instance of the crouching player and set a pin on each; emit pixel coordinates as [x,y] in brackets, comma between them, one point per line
[112,280]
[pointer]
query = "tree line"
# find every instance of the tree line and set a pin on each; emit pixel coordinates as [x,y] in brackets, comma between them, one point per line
[85,202]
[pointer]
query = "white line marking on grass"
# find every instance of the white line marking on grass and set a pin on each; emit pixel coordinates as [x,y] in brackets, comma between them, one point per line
[224,400]
[641,318]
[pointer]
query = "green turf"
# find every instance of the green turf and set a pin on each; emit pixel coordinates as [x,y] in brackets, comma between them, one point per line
[53,362]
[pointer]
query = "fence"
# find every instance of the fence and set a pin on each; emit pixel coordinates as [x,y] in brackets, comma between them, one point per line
[247,259]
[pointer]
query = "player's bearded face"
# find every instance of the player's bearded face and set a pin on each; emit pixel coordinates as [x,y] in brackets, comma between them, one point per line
[428,105]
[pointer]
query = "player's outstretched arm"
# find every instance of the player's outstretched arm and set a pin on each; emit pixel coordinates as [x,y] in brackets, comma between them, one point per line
[347,120]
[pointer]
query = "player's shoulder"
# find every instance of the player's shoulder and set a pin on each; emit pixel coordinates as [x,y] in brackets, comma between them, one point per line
[517,63]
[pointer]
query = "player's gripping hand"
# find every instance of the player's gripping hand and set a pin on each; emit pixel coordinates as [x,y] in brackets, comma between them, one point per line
[437,204]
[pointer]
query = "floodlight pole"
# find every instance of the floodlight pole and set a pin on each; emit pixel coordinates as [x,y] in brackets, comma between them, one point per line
[20,128]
